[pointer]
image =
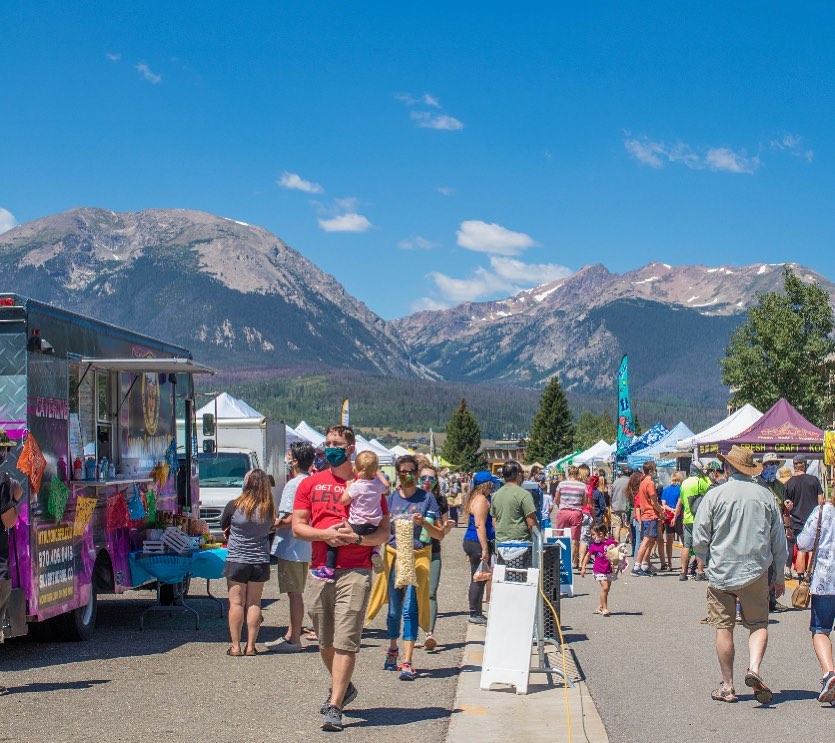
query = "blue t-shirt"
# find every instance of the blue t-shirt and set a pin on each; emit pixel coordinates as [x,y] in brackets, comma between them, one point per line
[419,502]
[671,495]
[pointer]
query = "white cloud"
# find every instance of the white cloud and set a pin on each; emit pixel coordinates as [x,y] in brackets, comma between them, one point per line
[418,242]
[351,222]
[148,74]
[427,303]
[425,100]
[113,56]
[658,154]
[7,220]
[445,190]
[443,122]
[794,145]
[489,237]
[505,276]
[295,182]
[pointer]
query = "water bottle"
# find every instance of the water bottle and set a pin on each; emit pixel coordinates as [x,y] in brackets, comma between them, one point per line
[62,469]
[111,472]
[738,611]
[424,535]
[102,470]
[78,469]
[90,469]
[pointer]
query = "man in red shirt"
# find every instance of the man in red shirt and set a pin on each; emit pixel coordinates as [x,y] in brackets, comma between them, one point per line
[337,609]
[646,502]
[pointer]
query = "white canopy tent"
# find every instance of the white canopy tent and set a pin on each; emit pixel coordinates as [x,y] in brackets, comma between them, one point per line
[309,433]
[383,454]
[400,451]
[600,452]
[660,449]
[728,428]
[226,406]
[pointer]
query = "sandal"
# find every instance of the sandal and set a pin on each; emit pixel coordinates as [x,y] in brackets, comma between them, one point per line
[597,611]
[310,633]
[232,654]
[605,613]
[761,692]
[722,694]
[250,652]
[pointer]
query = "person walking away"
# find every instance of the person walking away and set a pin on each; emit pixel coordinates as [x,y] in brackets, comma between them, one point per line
[601,567]
[11,492]
[620,505]
[803,492]
[768,479]
[673,527]
[633,498]
[337,609]
[584,475]
[429,481]
[650,515]
[738,532]
[408,606]
[293,555]
[479,539]
[248,521]
[821,525]
[569,499]
[513,508]
[694,486]
[547,507]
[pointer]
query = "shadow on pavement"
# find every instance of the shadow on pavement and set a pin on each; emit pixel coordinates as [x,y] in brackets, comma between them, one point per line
[442,673]
[56,686]
[388,716]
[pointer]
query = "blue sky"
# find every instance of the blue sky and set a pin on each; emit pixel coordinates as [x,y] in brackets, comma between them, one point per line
[430,153]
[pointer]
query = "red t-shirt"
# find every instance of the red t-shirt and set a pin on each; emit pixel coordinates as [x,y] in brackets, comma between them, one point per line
[321,495]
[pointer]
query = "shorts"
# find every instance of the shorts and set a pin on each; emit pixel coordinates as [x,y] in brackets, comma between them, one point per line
[292,576]
[611,577]
[585,530]
[5,595]
[677,528]
[568,518]
[245,572]
[753,602]
[649,529]
[337,609]
[619,521]
[687,537]
[823,614]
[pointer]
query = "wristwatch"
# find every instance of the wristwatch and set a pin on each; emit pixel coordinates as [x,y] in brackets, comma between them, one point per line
[359,539]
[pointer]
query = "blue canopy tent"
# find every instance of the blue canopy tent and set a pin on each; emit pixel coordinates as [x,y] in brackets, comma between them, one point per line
[647,438]
[666,444]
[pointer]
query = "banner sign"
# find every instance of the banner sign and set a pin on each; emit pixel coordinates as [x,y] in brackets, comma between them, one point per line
[626,422]
[346,413]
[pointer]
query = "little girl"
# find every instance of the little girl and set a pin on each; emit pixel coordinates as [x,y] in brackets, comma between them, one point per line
[364,495]
[602,567]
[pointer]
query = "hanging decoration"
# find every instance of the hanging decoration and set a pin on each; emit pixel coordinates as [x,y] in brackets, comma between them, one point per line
[84,508]
[171,457]
[136,508]
[32,462]
[117,512]
[58,495]
[151,497]
[159,474]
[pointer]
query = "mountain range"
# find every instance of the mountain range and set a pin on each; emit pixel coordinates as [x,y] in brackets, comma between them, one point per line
[240,297]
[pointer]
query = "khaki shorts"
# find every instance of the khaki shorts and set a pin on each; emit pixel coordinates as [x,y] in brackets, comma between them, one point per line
[753,602]
[292,576]
[619,522]
[337,609]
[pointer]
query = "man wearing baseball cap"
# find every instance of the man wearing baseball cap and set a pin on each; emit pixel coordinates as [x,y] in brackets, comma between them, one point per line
[803,492]
[768,479]
[695,485]
[739,534]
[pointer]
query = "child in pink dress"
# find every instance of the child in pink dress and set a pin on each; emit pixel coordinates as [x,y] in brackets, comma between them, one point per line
[602,567]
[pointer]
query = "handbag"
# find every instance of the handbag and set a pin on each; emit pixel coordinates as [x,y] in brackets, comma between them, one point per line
[802,595]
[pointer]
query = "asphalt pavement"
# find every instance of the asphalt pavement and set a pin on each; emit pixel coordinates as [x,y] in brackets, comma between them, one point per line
[651,666]
[172,683]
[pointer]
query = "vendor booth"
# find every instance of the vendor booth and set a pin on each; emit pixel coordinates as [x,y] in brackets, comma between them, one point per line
[706,443]
[600,453]
[647,438]
[660,451]
[310,434]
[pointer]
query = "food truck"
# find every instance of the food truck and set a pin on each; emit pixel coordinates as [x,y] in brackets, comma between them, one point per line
[87,426]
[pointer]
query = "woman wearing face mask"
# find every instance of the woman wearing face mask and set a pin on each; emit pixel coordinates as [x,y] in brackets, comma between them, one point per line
[407,606]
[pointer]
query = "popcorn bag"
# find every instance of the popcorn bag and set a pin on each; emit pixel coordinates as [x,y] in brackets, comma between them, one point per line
[404,567]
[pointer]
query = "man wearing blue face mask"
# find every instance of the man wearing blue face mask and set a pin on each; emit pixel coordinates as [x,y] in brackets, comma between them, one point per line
[768,479]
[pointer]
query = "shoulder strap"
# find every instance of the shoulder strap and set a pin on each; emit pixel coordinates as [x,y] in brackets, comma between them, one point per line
[817,539]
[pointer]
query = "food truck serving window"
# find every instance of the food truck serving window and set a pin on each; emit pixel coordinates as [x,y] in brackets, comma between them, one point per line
[82,412]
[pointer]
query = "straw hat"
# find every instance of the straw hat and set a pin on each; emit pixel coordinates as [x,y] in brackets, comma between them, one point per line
[742,458]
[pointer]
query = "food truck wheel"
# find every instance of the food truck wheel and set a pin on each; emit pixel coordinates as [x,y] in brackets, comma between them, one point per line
[80,623]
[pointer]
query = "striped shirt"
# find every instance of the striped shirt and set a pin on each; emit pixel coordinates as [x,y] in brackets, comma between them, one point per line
[572,493]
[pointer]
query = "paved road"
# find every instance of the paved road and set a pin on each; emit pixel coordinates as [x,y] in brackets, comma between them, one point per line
[170,683]
[651,666]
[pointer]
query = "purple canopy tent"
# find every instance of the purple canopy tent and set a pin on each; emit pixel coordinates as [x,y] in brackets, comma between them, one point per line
[782,430]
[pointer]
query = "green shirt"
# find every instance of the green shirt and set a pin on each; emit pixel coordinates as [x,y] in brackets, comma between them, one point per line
[511,504]
[695,485]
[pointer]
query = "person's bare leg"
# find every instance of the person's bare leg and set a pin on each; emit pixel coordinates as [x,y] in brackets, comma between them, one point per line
[670,536]
[327,658]
[604,595]
[342,668]
[294,630]
[757,643]
[237,602]
[253,613]
[685,559]
[700,565]
[823,649]
[642,553]
[800,562]
[575,553]
[725,653]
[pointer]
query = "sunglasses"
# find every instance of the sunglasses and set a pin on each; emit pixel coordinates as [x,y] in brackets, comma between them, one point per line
[406,472]
[428,479]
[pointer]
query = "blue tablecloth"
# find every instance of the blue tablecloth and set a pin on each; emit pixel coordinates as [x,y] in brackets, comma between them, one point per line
[176,568]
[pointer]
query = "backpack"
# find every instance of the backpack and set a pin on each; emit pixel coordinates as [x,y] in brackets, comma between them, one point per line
[695,502]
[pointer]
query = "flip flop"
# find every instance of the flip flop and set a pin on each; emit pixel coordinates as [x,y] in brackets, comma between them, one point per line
[310,633]
[597,611]
[762,693]
[232,654]
[250,653]
[606,613]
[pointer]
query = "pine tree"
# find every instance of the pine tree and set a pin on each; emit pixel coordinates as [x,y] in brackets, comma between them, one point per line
[552,430]
[462,446]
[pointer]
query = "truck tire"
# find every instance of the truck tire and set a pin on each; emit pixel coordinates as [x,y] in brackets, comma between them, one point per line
[80,624]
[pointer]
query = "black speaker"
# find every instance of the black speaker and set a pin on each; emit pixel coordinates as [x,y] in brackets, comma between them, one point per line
[551,554]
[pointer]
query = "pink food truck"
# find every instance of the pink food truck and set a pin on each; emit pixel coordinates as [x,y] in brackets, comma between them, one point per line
[88,427]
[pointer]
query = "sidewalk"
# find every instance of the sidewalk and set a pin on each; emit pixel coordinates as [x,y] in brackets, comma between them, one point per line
[501,714]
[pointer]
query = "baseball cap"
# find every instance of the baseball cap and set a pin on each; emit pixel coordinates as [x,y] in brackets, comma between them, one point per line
[479,478]
[714,467]
[696,467]
[800,459]
[771,458]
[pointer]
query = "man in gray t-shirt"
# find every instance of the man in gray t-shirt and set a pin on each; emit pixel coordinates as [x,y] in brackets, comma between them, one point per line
[293,554]
[620,504]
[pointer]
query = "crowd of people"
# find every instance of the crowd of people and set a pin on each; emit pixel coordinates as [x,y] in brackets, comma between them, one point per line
[340,541]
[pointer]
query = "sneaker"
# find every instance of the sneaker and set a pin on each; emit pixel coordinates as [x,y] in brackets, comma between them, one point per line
[392,657]
[407,672]
[477,619]
[377,562]
[637,572]
[683,576]
[700,576]
[430,643]
[325,574]
[778,608]
[827,692]
[332,720]
[283,645]
[350,695]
